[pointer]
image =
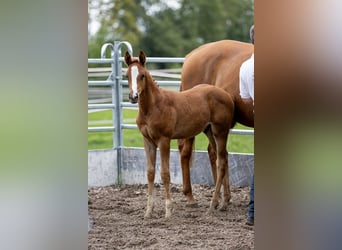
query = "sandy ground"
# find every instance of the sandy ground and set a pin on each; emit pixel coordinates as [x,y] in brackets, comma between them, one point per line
[116,220]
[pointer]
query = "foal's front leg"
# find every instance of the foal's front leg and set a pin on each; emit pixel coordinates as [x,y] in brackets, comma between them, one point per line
[150,151]
[164,147]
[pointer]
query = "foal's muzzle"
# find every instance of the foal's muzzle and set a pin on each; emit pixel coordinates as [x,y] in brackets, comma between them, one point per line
[133,99]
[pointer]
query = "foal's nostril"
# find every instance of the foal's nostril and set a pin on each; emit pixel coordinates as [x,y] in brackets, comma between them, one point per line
[133,99]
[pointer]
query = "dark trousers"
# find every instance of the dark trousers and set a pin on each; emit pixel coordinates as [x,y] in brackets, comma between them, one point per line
[251,200]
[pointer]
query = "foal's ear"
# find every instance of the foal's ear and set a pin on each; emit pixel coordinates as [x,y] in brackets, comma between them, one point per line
[128,58]
[142,58]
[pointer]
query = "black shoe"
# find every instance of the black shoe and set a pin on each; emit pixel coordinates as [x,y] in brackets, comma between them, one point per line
[250,221]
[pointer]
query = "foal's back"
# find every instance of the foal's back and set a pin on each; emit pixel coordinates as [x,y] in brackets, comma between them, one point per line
[190,112]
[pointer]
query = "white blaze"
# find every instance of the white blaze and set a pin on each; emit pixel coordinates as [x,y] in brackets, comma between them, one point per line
[134,74]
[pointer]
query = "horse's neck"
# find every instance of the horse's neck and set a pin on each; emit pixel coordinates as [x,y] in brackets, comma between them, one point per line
[149,97]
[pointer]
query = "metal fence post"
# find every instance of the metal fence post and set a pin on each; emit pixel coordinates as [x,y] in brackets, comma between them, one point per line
[111,78]
[117,99]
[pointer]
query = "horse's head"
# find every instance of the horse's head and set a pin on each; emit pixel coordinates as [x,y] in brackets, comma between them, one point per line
[136,73]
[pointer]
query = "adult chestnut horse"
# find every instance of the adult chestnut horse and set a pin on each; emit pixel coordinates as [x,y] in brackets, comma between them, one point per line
[217,63]
[164,115]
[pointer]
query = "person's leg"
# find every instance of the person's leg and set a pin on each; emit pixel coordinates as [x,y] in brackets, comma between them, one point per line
[250,218]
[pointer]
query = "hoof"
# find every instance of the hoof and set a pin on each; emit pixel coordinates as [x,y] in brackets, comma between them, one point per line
[214,205]
[148,215]
[168,208]
[224,207]
[211,211]
[193,204]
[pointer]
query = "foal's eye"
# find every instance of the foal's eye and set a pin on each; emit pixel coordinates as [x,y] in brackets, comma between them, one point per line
[142,76]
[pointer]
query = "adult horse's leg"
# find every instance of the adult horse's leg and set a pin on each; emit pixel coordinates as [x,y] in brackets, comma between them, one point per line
[212,159]
[151,152]
[164,147]
[212,152]
[185,147]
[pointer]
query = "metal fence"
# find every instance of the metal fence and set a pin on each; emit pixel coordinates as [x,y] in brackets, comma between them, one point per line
[116,83]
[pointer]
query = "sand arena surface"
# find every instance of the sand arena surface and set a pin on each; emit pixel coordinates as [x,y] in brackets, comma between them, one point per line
[116,220]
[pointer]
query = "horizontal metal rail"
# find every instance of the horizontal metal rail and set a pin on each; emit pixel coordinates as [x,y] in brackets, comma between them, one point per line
[101,106]
[165,59]
[148,59]
[129,126]
[129,105]
[232,131]
[100,60]
[100,83]
[159,82]
[101,129]
[241,132]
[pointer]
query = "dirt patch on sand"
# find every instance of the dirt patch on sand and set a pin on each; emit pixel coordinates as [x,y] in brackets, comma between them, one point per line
[116,220]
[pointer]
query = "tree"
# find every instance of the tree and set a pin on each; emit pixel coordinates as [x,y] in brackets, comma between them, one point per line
[239,17]
[205,21]
[120,21]
[162,37]
[159,30]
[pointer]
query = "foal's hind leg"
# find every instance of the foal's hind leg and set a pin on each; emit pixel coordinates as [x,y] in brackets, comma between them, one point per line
[222,163]
[226,191]
[150,151]
[185,147]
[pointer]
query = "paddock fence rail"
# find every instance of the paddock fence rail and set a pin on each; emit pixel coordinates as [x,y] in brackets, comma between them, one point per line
[126,165]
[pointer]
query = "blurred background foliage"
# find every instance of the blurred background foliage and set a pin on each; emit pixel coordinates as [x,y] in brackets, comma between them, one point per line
[169,28]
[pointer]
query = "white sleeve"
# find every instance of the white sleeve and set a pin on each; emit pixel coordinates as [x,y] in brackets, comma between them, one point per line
[243,83]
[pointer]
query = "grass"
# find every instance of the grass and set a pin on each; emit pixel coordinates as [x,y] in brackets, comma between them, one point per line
[133,138]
